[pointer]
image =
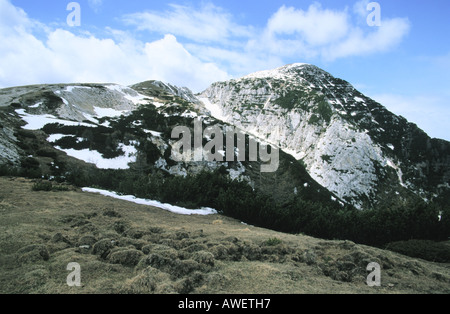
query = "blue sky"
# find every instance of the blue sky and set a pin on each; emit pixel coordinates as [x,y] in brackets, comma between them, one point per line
[404,63]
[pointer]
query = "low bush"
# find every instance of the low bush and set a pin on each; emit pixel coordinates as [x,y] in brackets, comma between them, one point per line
[46,153]
[273,242]
[42,186]
[424,249]
[48,186]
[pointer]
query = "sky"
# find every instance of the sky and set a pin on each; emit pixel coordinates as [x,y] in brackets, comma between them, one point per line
[397,52]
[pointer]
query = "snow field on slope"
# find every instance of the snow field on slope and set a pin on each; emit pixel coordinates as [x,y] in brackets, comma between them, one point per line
[37,122]
[171,208]
[94,157]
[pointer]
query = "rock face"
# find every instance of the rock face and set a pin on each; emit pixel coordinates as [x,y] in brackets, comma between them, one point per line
[8,149]
[74,102]
[350,144]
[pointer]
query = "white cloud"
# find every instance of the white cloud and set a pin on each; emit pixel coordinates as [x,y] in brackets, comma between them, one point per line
[314,27]
[307,35]
[358,43]
[171,62]
[330,35]
[208,23]
[67,57]
[360,9]
[239,62]
[95,4]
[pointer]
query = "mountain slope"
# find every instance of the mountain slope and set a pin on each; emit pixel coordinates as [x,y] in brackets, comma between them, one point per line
[350,144]
[112,127]
[123,247]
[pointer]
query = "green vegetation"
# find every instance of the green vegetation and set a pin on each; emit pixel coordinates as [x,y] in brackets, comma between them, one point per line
[396,222]
[293,99]
[51,100]
[42,186]
[425,249]
[300,99]
[323,109]
[297,214]
[315,119]
[30,167]
[327,158]
[48,186]
[273,242]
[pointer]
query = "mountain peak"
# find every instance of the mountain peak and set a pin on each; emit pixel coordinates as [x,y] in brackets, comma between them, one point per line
[278,73]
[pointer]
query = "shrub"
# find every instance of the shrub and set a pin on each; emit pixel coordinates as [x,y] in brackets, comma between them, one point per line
[127,257]
[30,163]
[42,186]
[424,249]
[102,248]
[33,253]
[51,100]
[46,153]
[293,99]
[7,170]
[60,188]
[273,242]
[48,186]
[315,119]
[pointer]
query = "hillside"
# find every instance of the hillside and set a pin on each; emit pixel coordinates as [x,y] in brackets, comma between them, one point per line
[123,247]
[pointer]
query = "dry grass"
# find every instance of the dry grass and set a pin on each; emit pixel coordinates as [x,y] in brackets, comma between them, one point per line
[127,248]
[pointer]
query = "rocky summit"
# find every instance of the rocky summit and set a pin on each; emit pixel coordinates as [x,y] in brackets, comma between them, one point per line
[350,144]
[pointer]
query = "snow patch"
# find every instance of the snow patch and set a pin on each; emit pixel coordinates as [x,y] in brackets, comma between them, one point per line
[153,133]
[236,174]
[138,99]
[94,157]
[70,89]
[55,137]
[215,109]
[37,122]
[171,208]
[189,114]
[279,73]
[108,112]
[37,105]
[397,169]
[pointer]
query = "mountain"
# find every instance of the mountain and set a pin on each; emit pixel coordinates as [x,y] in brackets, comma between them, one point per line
[344,166]
[127,128]
[349,143]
